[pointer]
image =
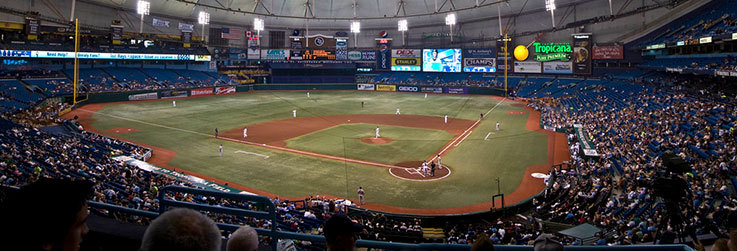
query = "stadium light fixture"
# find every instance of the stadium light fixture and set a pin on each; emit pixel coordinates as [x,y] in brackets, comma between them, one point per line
[203,19]
[258,25]
[143,9]
[355,29]
[450,20]
[402,26]
[550,6]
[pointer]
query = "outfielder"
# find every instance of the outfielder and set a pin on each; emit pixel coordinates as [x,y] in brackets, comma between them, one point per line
[360,195]
[308,94]
[397,111]
[446,119]
[221,150]
[497,125]
[174,103]
[377,132]
[294,113]
[425,95]
[245,132]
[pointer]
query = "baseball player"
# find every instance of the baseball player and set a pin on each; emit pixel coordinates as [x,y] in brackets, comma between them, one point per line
[294,113]
[308,94]
[425,95]
[432,169]
[361,104]
[497,125]
[424,167]
[397,111]
[482,116]
[360,195]
[174,103]
[440,166]
[446,119]
[221,150]
[245,132]
[377,132]
[216,132]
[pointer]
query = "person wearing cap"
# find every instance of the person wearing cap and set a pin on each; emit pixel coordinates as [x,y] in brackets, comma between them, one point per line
[341,233]
[547,242]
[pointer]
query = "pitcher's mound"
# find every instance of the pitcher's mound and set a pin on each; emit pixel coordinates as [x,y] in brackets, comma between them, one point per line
[376,141]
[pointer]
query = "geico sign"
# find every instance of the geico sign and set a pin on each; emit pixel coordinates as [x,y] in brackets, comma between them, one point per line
[408,89]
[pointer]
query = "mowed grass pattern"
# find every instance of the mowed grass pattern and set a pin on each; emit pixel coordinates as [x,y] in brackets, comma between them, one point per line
[475,162]
[408,144]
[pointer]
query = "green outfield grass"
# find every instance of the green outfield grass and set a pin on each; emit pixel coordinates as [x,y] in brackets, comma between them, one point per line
[408,144]
[476,162]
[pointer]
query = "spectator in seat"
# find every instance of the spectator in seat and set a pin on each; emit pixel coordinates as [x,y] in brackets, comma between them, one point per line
[183,230]
[341,233]
[243,239]
[547,242]
[482,243]
[46,215]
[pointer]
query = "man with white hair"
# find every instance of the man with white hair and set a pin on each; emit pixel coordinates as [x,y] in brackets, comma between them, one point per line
[182,229]
[243,239]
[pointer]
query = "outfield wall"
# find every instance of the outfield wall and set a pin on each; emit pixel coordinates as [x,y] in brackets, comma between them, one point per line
[224,90]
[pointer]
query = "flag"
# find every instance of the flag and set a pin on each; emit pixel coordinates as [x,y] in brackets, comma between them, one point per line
[231,33]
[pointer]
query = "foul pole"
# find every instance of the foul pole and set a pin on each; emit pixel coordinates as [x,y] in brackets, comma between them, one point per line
[76,59]
[506,52]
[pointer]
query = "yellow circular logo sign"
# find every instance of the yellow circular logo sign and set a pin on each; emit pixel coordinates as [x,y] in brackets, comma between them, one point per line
[521,53]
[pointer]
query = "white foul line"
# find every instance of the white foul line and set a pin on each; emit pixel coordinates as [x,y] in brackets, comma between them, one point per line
[464,138]
[487,136]
[469,128]
[257,154]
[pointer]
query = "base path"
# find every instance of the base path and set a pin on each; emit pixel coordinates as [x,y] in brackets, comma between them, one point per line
[276,132]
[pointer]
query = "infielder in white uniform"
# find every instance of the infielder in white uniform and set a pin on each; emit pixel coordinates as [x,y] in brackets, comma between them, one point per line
[245,132]
[221,150]
[440,166]
[377,132]
[308,94]
[497,125]
[425,95]
[446,119]
[397,111]
[174,103]
[294,113]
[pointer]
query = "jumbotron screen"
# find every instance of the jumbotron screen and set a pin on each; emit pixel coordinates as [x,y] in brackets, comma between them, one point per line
[441,60]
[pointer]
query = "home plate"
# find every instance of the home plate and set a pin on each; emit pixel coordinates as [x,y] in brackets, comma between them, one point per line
[539,175]
[257,154]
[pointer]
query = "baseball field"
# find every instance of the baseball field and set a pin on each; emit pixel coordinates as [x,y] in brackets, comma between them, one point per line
[330,147]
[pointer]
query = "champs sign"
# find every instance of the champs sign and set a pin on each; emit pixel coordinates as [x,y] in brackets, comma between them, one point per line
[552,51]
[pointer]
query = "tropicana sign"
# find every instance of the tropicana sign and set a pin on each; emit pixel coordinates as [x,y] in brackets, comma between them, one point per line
[552,51]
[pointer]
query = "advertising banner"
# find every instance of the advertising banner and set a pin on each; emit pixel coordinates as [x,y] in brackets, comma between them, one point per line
[224,90]
[368,55]
[406,60]
[527,67]
[186,27]
[341,49]
[386,88]
[159,23]
[173,94]
[456,90]
[95,55]
[275,54]
[479,60]
[143,96]
[587,147]
[354,55]
[116,33]
[32,26]
[432,89]
[582,54]
[186,37]
[406,88]
[383,55]
[608,52]
[545,52]
[503,54]
[253,53]
[365,87]
[441,60]
[318,55]
[558,67]
[295,55]
[200,92]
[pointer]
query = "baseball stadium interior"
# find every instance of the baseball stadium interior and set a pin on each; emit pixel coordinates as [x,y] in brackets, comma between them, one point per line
[368,124]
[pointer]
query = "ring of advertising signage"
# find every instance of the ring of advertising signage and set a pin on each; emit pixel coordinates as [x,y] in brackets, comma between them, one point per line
[102,55]
[441,60]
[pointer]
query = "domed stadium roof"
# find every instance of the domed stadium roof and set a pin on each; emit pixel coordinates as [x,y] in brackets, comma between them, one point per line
[338,13]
